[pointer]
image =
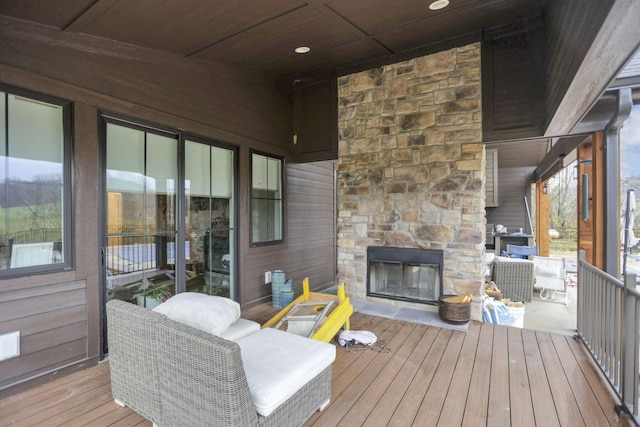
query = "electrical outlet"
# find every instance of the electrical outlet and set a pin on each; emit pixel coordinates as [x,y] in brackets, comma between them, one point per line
[9,345]
[267,277]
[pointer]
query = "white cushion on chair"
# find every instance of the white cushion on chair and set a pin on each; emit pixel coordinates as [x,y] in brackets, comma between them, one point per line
[549,267]
[240,328]
[548,271]
[278,364]
[208,313]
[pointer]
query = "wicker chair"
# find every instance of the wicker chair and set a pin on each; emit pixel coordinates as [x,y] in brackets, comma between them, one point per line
[176,375]
[514,277]
[134,372]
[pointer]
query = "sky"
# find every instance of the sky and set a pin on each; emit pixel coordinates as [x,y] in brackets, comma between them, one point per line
[630,144]
[28,170]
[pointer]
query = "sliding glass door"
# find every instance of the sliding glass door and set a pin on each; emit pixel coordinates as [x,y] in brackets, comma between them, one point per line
[169,223]
[141,201]
[209,219]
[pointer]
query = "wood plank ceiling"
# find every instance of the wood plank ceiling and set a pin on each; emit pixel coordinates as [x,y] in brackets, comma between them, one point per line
[344,36]
[262,35]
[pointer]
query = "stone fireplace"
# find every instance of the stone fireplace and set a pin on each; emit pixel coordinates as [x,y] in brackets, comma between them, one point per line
[411,166]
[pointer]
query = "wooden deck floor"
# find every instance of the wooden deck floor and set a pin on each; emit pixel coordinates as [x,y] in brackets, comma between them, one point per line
[424,376]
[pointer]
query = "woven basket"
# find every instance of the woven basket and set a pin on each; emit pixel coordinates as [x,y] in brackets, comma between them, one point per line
[454,313]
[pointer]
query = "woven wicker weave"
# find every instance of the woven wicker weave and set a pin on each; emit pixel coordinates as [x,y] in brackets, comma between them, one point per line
[514,277]
[134,371]
[453,313]
[176,375]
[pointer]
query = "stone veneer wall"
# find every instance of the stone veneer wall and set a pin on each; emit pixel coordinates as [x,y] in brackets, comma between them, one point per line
[411,165]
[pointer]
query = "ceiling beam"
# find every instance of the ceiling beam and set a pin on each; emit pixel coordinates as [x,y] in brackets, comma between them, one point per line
[615,44]
[553,161]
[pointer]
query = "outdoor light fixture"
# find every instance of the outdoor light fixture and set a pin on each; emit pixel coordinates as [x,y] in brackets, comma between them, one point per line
[303,49]
[585,197]
[545,189]
[439,4]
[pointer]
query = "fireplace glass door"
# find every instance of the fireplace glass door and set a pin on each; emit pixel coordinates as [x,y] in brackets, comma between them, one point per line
[404,274]
[405,281]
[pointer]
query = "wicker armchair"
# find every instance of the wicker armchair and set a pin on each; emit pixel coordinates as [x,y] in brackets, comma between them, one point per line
[176,375]
[134,372]
[514,277]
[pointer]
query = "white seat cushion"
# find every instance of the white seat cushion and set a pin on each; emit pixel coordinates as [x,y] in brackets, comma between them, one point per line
[548,270]
[278,364]
[240,328]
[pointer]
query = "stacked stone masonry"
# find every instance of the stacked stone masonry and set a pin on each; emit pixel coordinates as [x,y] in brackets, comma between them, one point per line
[411,165]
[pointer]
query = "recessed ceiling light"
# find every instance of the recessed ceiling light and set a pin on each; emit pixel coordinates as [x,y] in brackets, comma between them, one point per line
[303,49]
[439,4]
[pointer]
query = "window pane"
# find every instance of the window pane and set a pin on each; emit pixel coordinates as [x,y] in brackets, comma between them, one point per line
[266,199]
[35,131]
[125,159]
[275,212]
[161,174]
[209,222]
[273,177]
[259,220]
[32,174]
[141,212]
[259,171]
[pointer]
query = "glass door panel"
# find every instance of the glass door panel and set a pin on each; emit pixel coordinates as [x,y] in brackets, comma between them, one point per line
[140,250]
[209,220]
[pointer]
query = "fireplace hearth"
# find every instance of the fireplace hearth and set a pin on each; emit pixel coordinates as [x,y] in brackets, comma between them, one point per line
[405,274]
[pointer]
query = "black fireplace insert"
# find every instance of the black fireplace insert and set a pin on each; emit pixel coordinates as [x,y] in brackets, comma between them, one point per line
[406,274]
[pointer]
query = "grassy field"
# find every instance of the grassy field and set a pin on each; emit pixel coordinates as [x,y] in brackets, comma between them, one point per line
[563,245]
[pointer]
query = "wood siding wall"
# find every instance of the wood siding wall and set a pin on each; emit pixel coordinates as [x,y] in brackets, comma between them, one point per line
[58,315]
[512,81]
[309,249]
[514,185]
[52,320]
[215,100]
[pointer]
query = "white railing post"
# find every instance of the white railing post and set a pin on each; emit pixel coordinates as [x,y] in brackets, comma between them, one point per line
[629,386]
[580,309]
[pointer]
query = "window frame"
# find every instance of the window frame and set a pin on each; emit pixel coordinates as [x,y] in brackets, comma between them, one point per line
[68,232]
[252,242]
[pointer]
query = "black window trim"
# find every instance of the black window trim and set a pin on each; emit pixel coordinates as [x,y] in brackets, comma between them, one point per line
[68,232]
[107,117]
[282,199]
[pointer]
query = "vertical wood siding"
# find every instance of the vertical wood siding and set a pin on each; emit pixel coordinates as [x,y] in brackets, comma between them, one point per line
[309,249]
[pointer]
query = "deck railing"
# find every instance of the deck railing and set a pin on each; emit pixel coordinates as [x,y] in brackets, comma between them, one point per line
[130,253]
[608,323]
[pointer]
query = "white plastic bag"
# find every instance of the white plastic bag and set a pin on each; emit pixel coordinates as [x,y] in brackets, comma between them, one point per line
[349,337]
[496,312]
